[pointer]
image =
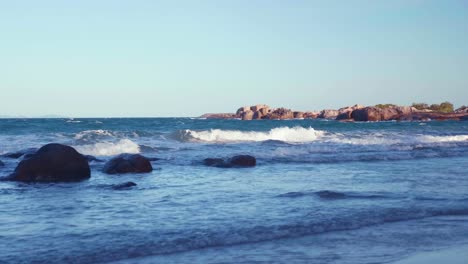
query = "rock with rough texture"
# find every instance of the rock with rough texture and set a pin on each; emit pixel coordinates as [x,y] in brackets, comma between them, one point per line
[247,115]
[256,108]
[298,115]
[21,153]
[238,161]
[128,163]
[367,114]
[311,115]
[280,113]
[328,114]
[463,109]
[124,186]
[372,113]
[53,163]
[345,112]
[242,110]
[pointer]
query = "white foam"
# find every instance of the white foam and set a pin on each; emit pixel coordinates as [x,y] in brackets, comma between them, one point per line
[286,134]
[436,139]
[109,148]
[88,133]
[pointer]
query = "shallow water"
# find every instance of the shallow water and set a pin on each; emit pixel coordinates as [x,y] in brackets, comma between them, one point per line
[322,192]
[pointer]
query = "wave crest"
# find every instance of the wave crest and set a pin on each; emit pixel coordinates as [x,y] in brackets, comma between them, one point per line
[285,134]
[109,148]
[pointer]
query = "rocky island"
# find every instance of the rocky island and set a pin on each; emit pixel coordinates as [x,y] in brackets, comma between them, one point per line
[380,112]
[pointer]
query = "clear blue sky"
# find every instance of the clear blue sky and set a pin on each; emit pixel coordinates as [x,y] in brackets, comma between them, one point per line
[185,58]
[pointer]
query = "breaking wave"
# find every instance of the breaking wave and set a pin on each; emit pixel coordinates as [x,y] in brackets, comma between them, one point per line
[285,134]
[109,148]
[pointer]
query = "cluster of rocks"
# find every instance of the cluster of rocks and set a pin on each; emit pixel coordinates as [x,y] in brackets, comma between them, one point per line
[61,163]
[262,111]
[349,113]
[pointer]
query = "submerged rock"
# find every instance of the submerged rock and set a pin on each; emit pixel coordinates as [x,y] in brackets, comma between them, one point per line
[123,186]
[238,161]
[53,163]
[128,163]
[242,161]
[18,154]
[213,162]
[92,158]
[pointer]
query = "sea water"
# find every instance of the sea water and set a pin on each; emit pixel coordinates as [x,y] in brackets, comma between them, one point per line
[322,192]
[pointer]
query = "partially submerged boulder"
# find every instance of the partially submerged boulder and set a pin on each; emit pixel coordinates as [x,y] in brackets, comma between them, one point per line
[53,163]
[239,161]
[124,186]
[242,161]
[128,163]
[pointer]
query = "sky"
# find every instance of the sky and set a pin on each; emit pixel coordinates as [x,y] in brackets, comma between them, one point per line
[149,58]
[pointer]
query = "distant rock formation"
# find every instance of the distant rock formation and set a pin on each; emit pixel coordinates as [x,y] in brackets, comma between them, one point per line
[380,112]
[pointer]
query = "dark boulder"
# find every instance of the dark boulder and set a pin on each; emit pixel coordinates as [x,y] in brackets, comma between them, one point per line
[238,161]
[124,186]
[18,154]
[242,161]
[53,163]
[128,163]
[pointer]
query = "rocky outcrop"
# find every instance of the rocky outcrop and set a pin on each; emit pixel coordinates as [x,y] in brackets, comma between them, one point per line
[380,112]
[281,113]
[128,163]
[53,163]
[461,110]
[238,161]
[298,115]
[311,115]
[372,113]
[253,112]
[427,116]
[328,114]
[345,112]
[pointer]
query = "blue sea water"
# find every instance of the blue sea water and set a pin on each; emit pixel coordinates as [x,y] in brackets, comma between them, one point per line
[322,192]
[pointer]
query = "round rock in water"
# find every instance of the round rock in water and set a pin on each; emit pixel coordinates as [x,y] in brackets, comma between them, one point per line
[53,163]
[128,163]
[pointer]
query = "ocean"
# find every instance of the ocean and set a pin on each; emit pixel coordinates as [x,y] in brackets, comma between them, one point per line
[322,192]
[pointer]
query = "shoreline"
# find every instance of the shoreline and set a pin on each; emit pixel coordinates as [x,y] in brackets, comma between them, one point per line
[451,255]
